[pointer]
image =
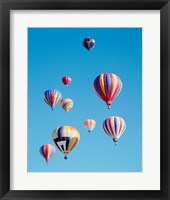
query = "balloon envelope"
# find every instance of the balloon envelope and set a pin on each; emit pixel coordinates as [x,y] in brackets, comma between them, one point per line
[107,86]
[66,80]
[89,124]
[89,43]
[52,97]
[66,104]
[65,138]
[47,151]
[114,127]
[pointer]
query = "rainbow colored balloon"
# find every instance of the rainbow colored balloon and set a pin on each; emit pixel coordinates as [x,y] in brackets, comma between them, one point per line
[114,127]
[52,97]
[89,124]
[66,80]
[66,104]
[47,151]
[65,138]
[107,87]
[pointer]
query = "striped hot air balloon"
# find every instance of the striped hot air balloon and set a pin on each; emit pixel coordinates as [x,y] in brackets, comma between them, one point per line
[89,124]
[114,127]
[66,104]
[52,97]
[89,43]
[107,87]
[66,80]
[47,151]
[65,138]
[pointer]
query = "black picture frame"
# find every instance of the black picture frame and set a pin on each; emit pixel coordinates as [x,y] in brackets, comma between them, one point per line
[5,7]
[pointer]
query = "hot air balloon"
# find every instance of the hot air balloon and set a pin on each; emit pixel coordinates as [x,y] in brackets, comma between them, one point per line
[47,151]
[89,124]
[66,104]
[65,138]
[89,43]
[66,80]
[107,87]
[114,127]
[52,97]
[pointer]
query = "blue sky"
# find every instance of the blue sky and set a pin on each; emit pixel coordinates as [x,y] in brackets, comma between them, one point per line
[55,52]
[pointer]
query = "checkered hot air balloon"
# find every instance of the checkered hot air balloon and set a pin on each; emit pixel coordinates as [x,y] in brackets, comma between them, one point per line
[107,86]
[114,127]
[65,138]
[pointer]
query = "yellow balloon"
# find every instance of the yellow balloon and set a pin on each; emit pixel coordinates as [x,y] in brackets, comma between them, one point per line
[66,104]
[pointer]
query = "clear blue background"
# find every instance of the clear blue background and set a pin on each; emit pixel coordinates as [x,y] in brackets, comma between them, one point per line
[55,52]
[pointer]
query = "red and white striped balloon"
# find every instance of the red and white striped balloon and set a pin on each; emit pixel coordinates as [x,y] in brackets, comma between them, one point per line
[114,127]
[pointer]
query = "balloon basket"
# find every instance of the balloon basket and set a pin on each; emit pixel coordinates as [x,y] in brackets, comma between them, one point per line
[115,142]
[109,106]
[65,157]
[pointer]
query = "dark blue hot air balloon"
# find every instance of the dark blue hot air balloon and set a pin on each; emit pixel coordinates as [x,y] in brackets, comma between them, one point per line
[89,43]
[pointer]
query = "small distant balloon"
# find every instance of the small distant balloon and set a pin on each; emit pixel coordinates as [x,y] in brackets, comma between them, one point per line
[89,124]
[52,97]
[89,43]
[47,151]
[66,104]
[65,138]
[107,86]
[114,127]
[66,80]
